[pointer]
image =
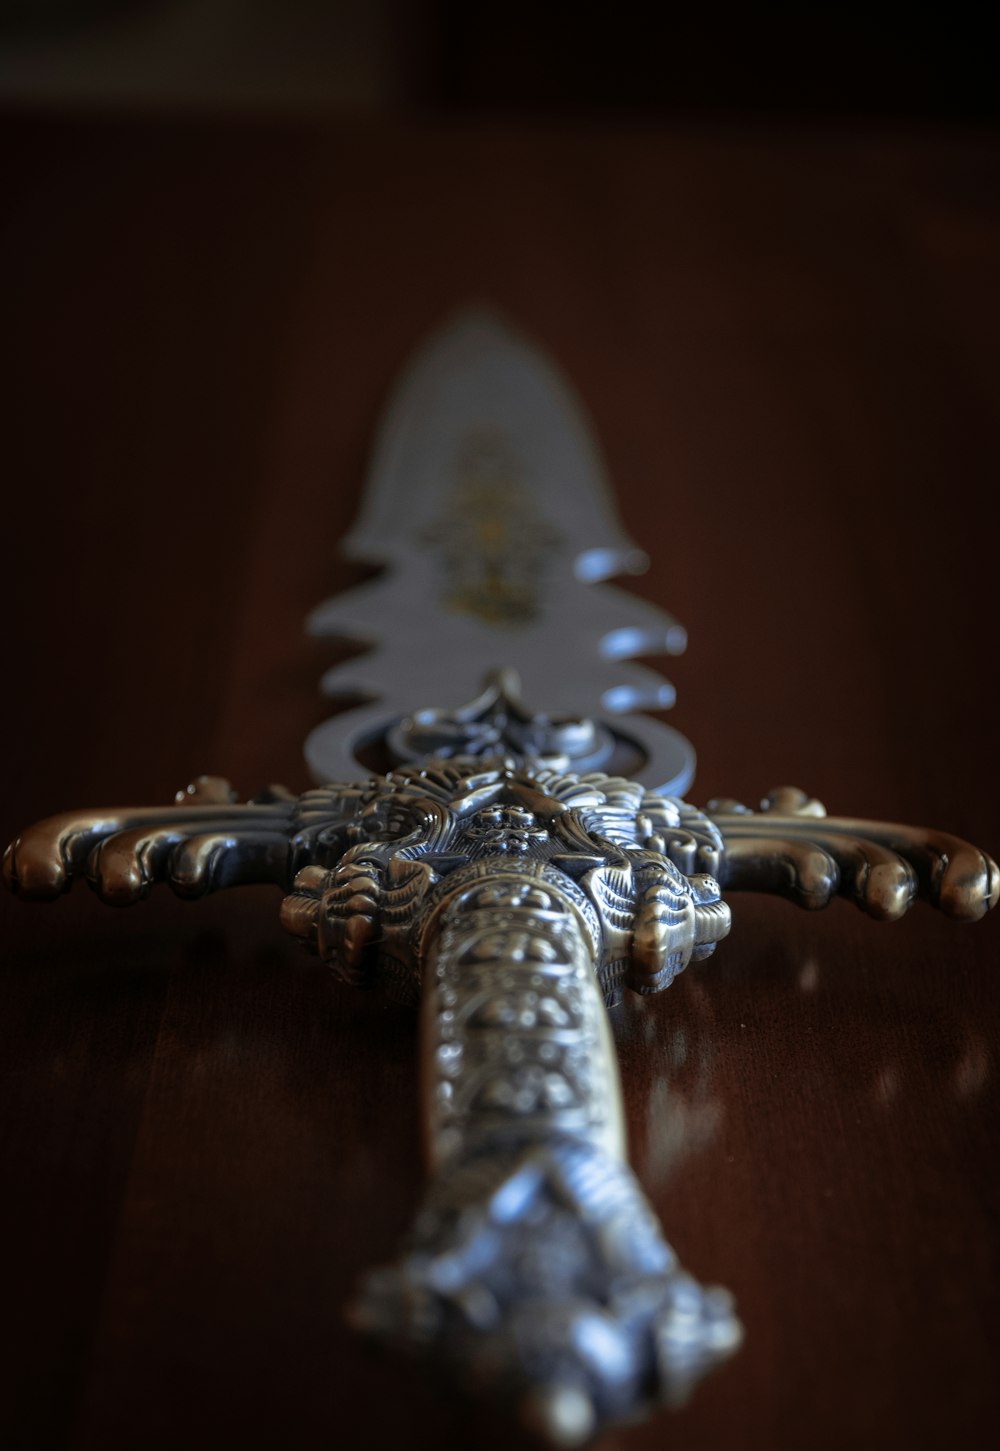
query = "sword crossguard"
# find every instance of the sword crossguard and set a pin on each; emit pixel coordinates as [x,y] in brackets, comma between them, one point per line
[515,900]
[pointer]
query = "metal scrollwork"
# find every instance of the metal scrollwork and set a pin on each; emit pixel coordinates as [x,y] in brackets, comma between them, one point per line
[792,848]
[513,898]
[536,1261]
[499,722]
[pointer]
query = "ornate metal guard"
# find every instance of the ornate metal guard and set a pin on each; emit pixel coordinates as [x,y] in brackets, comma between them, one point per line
[515,899]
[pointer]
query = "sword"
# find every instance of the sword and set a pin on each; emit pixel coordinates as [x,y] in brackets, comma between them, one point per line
[526,859]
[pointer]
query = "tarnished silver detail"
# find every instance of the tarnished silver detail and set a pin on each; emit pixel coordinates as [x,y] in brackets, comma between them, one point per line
[513,896]
[791,847]
[487,504]
[516,1027]
[522,895]
[541,1270]
[498,722]
[207,840]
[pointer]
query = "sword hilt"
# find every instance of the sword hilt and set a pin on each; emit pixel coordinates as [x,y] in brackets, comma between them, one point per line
[536,1262]
[515,897]
[514,911]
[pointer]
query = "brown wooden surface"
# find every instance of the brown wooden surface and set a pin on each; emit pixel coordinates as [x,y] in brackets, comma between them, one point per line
[788,346]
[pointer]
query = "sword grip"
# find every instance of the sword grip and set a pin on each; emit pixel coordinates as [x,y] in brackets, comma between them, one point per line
[516,1045]
[536,1262]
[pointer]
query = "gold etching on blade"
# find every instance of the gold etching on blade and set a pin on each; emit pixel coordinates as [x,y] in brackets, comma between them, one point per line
[493,543]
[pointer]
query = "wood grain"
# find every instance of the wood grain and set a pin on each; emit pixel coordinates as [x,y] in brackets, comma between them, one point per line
[788,346]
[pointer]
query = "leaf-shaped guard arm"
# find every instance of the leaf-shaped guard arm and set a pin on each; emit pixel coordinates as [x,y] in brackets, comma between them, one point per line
[792,848]
[204,842]
[207,841]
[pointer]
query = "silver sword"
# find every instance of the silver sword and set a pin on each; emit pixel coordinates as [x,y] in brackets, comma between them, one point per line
[514,871]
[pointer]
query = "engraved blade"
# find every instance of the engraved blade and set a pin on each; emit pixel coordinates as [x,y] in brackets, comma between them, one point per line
[488,505]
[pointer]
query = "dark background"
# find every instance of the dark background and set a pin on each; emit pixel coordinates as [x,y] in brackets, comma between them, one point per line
[765,251]
[933,63]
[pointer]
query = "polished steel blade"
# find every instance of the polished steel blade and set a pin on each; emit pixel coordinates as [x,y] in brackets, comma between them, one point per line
[488,506]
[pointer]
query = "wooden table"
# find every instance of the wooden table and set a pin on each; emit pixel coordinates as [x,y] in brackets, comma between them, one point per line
[788,346]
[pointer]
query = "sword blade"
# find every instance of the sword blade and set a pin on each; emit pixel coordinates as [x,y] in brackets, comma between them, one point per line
[488,506]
